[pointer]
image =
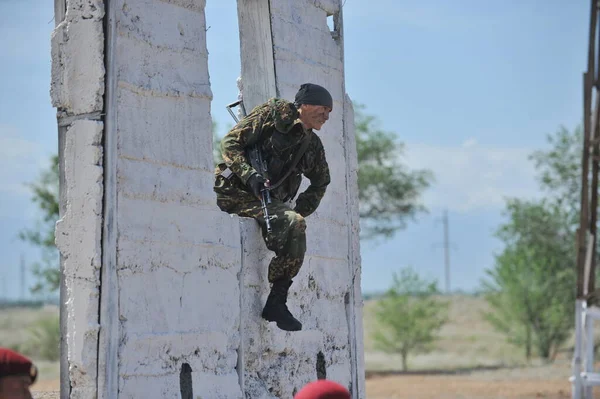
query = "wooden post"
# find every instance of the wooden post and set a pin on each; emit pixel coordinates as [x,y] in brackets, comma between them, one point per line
[589,79]
[595,140]
[594,194]
[583,215]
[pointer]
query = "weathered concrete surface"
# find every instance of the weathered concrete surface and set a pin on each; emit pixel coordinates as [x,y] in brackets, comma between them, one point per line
[325,295]
[78,235]
[77,89]
[177,268]
[183,283]
[77,84]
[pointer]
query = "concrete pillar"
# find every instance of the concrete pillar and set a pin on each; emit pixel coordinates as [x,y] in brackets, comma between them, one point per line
[162,291]
[284,44]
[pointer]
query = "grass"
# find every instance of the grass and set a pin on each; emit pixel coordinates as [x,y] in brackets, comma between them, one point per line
[33,332]
[43,339]
[466,341]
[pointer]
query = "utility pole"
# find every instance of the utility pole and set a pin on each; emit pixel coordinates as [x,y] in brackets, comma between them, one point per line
[22,277]
[446,251]
[4,295]
[447,244]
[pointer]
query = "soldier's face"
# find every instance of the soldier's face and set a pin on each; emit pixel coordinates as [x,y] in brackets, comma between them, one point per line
[314,116]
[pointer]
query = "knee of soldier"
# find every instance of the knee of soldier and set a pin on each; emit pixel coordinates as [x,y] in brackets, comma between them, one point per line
[298,223]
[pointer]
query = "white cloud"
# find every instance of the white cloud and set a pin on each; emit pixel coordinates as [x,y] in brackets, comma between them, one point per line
[13,147]
[471,142]
[471,177]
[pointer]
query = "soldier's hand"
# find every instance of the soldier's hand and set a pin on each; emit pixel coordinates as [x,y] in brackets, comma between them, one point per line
[256,183]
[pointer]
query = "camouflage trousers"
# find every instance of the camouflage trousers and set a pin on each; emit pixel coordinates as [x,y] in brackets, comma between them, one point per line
[287,238]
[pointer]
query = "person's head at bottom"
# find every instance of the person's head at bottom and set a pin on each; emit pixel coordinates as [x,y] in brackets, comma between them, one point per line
[17,374]
[323,389]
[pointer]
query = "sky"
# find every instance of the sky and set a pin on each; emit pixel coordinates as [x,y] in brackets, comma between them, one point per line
[470,87]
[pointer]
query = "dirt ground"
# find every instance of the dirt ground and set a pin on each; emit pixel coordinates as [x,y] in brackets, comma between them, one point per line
[445,387]
[471,361]
[430,387]
[464,387]
[548,382]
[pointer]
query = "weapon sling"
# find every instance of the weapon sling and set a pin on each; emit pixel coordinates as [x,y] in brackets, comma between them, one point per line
[299,154]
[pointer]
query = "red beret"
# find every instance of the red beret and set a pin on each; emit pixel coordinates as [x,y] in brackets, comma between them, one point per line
[13,363]
[323,389]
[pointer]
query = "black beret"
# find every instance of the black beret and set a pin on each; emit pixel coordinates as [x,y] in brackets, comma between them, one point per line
[313,94]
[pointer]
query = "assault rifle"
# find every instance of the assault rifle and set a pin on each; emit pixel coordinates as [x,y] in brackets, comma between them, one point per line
[258,163]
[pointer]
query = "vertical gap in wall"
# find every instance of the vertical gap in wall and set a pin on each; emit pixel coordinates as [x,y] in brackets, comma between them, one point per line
[330,22]
[321,366]
[223,47]
[186,387]
[240,366]
[60,9]
[65,382]
[224,59]
[350,320]
[333,24]
[349,298]
[108,339]
[273,47]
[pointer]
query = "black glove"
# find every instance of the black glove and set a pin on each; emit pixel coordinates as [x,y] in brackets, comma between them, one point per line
[256,183]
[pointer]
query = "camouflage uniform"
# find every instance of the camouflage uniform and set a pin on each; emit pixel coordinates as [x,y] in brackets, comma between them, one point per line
[277,129]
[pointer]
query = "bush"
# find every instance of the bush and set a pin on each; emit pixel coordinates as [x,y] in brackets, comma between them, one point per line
[409,316]
[44,339]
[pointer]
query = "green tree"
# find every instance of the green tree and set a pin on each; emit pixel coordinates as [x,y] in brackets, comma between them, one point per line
[45,196]
[508,297]
[559,176]
[408,316]
[559,170]
[217,157]
[389,192]
[530,288]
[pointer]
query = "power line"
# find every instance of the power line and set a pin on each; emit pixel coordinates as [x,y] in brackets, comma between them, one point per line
[447,244]
[22,277]
[4,292]
[447,251]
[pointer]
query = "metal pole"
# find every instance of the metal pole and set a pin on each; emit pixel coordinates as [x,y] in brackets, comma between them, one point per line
[576,378]
[447,251]
[22,277]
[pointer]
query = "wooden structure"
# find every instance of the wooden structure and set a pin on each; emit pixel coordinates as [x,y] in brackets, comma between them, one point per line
[584,377]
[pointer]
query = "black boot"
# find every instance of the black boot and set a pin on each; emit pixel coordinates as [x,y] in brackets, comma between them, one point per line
[276,309]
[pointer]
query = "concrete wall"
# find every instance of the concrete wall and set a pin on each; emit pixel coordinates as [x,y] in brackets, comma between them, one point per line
[284,44]
[163,291]
[176,271]
[77,89]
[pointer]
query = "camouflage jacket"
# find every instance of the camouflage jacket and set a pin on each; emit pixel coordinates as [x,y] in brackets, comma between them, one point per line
[275,126]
